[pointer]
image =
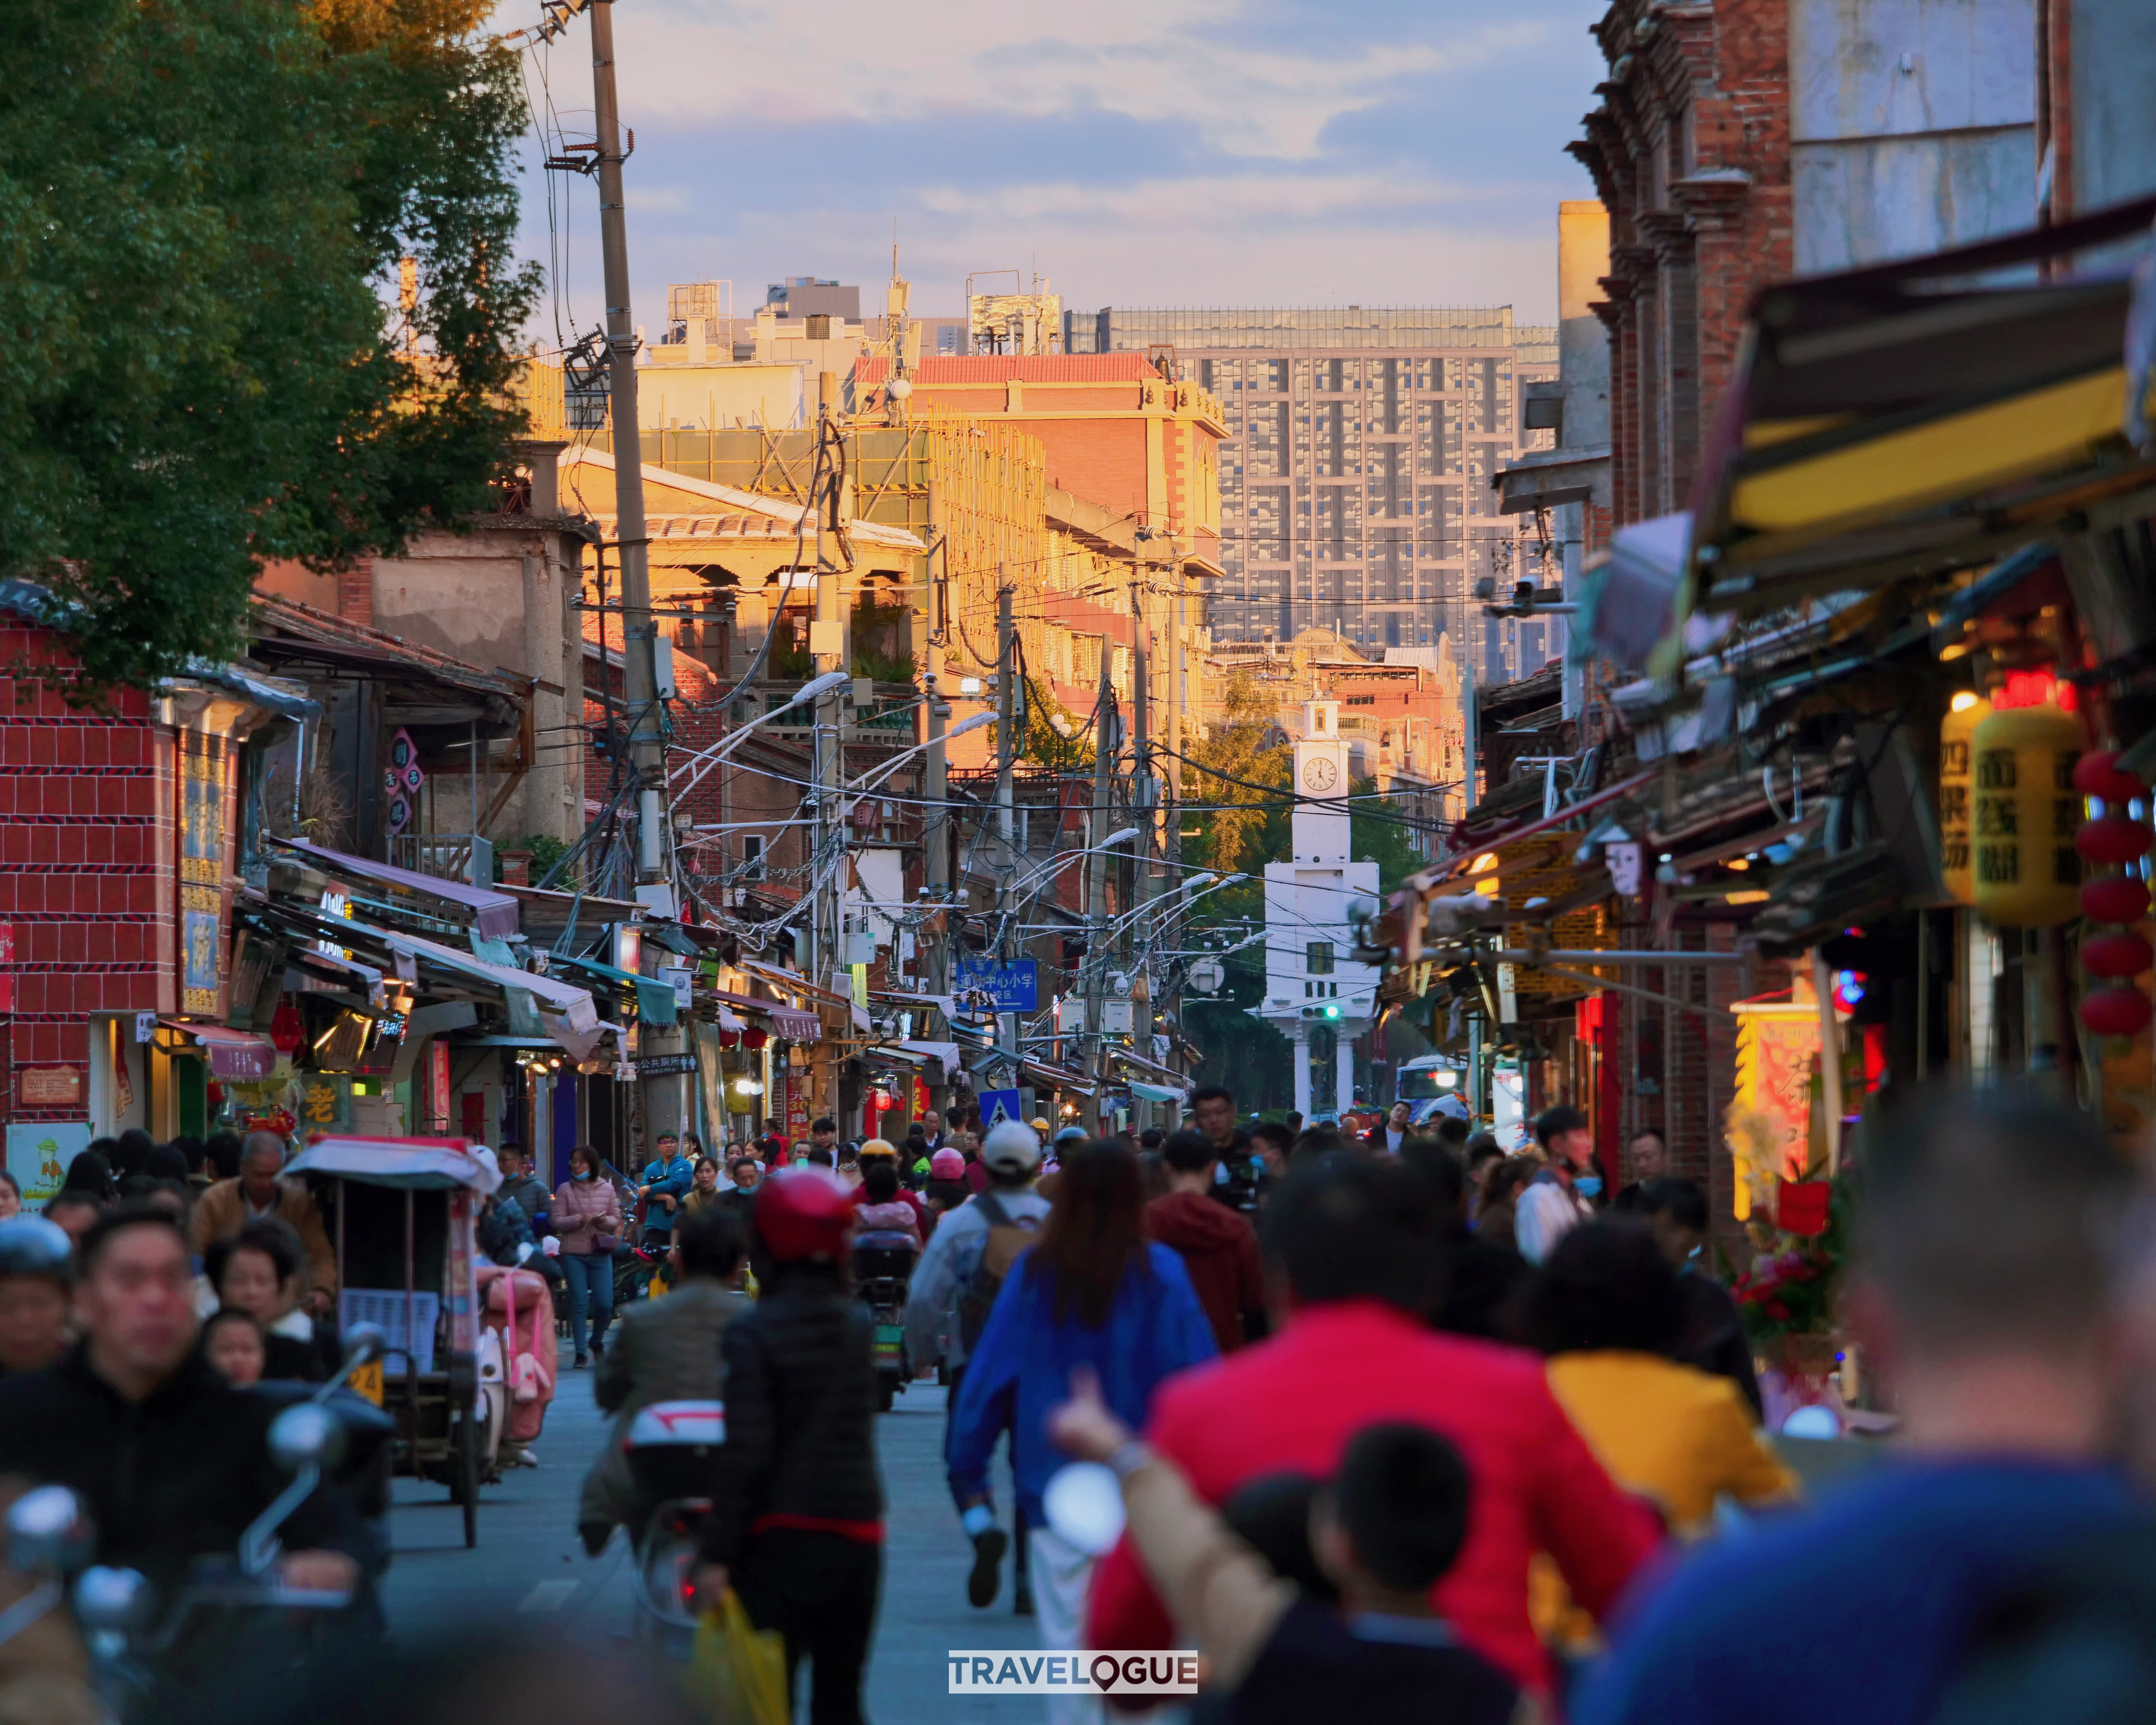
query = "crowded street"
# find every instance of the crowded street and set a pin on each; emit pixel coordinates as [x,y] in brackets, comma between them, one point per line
[1241,862]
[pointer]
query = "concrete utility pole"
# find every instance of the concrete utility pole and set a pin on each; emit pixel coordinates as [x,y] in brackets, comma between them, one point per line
[1097,875]
[827,646]
[1145,793]
[647,748]
[1006,821]
[936,815]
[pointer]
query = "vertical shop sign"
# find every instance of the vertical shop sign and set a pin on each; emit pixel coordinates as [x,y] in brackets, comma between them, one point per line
[202,872]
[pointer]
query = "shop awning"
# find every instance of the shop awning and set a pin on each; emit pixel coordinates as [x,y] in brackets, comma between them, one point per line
[1898,421]
[495,914]
[1156,1092]
[233,1053]
[565,999]
[1055,1078]
[795,983]
[655,1002]
[1141,1064]
[408,1164]
[946,1052]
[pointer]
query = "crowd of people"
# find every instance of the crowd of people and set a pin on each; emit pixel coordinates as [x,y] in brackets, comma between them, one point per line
[1407,1428]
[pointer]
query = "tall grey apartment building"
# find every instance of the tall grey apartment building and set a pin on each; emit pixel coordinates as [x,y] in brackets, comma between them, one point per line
[1355,491]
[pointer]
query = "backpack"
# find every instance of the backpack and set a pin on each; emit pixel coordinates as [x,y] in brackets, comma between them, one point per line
[1008,1235]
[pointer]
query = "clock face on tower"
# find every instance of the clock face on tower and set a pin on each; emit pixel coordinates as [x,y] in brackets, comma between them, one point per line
[1319,774]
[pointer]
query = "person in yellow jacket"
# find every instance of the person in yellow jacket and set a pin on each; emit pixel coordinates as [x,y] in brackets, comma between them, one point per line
[1610,1313]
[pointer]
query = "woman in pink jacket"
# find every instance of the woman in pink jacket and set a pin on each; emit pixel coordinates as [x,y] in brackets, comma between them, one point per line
[588,1218]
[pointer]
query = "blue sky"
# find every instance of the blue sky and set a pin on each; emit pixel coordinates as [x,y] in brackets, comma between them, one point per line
[1144,152]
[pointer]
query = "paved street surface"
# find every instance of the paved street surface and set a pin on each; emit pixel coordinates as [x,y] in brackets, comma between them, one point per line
[529,1569]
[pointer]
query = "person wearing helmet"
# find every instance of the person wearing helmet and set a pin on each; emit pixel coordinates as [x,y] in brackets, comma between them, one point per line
[946,1306]
[796,1525]
[34,1277]
[947,1188]
[882,1151]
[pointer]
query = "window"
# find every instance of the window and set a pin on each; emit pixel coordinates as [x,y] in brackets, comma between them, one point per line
[753,857]
[1318,958]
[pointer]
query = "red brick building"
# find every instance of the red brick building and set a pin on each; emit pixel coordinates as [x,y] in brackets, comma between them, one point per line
[1690,152]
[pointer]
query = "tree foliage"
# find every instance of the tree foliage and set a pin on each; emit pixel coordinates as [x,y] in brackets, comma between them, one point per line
[203,204]
[1372,837]
[1244,827]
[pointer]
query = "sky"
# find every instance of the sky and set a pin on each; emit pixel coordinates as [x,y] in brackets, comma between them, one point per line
[1166,152]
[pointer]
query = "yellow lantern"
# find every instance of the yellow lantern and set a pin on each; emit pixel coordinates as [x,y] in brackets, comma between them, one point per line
[2025,812]
[1965,713]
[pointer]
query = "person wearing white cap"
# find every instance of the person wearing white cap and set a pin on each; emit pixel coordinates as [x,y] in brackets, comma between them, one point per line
[947,1304]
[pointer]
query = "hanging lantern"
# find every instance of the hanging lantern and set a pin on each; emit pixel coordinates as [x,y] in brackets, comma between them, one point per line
[2118,955]
[2122,1011]
[2097,774]
[2025,815]
[2113,838]
[2115,898]
[754,1037]
[1965,713]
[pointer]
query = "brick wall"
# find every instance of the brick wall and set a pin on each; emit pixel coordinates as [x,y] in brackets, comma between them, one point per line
[88,817]
[1690,152]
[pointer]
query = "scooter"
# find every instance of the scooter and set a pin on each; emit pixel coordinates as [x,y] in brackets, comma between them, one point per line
[883,1268]
[50,1538]
[672,1448]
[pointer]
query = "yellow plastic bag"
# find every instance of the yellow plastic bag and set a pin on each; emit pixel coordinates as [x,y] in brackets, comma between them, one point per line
[737,1671]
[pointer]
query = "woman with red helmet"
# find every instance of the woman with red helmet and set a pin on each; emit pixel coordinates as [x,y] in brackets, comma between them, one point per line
[796,1524]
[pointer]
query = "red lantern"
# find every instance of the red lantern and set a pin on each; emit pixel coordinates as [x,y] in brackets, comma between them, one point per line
[2113,838]
[2115,898]
[2116,955]
[2097,774]
[754,1037]
[2115,1012]
[727,1039]
[287,1028]
[1800,1206]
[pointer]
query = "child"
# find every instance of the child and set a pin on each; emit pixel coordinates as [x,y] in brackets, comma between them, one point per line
[1388,1524]
[237,1346]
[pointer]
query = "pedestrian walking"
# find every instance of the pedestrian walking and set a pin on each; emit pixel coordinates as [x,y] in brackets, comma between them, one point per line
[1556,1198]
[663,1183]
[1092,1292]
[954,1288]
[796,1526]
[1480,1276]
[588,1221]
[1217,1246]
[1382,1531]
[1675,1212]
[1353,1240]
[1988,1286]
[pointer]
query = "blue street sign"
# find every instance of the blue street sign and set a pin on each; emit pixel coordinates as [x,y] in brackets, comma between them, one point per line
[996,1105]
[1014,986]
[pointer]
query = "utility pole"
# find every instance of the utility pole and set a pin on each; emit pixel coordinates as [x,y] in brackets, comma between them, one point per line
[1006,822]
[827,645]
[647,747]
[936,815]
[1145,794]
[1097,875]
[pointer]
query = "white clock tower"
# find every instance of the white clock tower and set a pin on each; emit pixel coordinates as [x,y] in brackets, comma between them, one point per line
[1312,980]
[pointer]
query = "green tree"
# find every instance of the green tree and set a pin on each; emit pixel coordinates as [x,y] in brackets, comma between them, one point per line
[1241,784]
[203,207]
[1373,837]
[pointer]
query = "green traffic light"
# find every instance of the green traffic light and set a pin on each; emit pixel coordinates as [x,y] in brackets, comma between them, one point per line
[1333,1012]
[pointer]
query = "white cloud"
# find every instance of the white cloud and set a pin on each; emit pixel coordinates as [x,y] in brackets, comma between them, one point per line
[695,61]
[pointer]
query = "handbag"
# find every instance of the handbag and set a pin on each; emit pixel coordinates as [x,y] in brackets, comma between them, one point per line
[605,1246]
[736,1671]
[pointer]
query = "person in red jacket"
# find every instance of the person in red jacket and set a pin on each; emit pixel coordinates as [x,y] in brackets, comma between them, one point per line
[1354,1237]
[1218,1245]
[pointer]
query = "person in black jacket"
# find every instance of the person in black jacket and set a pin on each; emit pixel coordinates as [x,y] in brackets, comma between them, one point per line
[172,1462]
[1478,1279]
[1713,1339]
[796,1526]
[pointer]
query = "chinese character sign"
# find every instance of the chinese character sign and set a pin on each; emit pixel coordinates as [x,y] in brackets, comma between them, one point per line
[202,872]
[1776,1045]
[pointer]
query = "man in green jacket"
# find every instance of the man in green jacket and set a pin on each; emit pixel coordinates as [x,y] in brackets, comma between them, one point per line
[663,1351]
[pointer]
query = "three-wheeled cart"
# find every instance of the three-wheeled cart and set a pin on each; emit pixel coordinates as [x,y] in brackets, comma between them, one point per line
[404,1222]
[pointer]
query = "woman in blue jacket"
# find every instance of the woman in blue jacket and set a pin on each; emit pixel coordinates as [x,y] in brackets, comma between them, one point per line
[1092,1291]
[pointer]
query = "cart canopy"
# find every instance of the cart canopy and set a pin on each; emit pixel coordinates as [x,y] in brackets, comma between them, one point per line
[411,1164]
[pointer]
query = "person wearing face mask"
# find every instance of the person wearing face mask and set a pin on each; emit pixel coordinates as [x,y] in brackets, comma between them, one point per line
[1559,1197]
[588,1221]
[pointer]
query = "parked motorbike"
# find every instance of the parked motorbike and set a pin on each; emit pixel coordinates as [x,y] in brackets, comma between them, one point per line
[883,1268]
[672,1448]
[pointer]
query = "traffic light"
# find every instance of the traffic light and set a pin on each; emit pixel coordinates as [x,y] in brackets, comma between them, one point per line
[1331,1011]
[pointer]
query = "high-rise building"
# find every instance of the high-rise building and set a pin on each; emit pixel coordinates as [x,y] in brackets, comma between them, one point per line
[1355,481]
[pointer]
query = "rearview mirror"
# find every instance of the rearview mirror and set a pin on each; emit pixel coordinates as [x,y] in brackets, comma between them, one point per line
[113,1601]
[48,1530]
[307,1435]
